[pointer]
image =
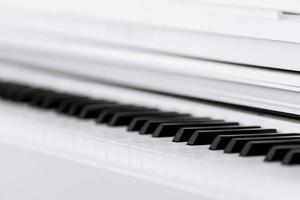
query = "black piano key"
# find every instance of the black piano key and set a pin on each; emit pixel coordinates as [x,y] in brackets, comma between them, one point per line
[13,92]
[93,111]
[77,107]
[65,105]
[50,100]
[221,141]
[9,90]
[125,118]
[184,134]
[38,97]
[207,137]
[170,129]
[292,157]
[3,87]
[53,101]
[138,122]
[150,126]
[26,95]
[106,115]
[30,94]
[259,148]
[237,144]
[17,96]
[277,153]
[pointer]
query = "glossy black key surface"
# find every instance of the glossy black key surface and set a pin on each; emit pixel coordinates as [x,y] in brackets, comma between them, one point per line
[50,100]
[9,90]
[221,141]
[107,114]
[150,126]
[26,95]
[53,101]
[170,129]
[17,96]
[184,134]
[138,122]
[93,111]
[236,145]
[38,97]
[292,157]
[13,92]
[277,153]
[65,105]
[77,107]
[4,89]
[125,118]
[207,137]
[257,148]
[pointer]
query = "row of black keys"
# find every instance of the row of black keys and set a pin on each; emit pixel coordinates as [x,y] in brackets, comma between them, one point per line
[219,134]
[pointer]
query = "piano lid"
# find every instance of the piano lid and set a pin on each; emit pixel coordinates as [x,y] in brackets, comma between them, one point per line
[265,19]
[259,33]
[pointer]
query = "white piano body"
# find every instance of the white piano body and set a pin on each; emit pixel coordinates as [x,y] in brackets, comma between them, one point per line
[197,57]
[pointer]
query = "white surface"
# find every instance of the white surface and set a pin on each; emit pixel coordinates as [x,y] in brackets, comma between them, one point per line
[201,17]
[171,26]
[28,175]
[32,32]
[286,5]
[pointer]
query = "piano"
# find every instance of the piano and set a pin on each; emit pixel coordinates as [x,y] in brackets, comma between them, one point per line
[168,99]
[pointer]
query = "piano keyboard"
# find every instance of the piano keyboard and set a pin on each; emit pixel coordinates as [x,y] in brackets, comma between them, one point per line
[224,135]
[186,145]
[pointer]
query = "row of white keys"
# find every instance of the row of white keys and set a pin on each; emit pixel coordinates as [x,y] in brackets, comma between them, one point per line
[193,166]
